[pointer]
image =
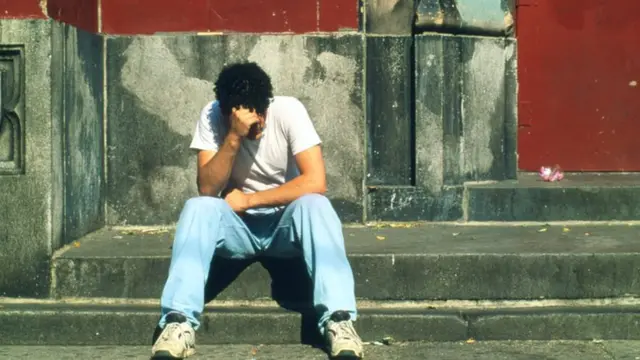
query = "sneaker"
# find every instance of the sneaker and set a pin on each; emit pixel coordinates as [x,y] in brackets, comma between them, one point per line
[176,341]
[342,340]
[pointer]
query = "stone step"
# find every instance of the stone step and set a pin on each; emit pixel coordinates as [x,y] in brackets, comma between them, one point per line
[399,262]
[112,322]
[586,197]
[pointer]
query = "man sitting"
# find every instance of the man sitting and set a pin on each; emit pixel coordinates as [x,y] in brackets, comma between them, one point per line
[261,178]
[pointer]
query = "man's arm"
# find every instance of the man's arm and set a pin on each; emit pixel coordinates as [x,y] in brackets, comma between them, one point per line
[214,167]
[312,179]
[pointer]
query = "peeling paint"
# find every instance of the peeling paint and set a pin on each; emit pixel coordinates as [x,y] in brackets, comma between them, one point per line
[43,7]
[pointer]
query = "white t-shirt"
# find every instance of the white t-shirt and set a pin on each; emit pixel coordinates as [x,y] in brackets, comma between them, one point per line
[268,162]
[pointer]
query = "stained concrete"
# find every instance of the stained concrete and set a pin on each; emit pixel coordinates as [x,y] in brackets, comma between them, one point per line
[465,127]
[503,350]
[389,110]
[158,85]
[84,182]
[417,263]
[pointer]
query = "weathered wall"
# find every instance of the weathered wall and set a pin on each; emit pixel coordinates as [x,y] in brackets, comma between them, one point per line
[461,127]
[50,147]
[158,85]
[31,190]
[84,185]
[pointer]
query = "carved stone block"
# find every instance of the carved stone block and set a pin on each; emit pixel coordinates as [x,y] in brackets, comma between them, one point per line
[12,130]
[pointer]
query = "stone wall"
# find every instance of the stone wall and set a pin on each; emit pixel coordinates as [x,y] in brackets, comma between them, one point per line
[29,177]
[158,85]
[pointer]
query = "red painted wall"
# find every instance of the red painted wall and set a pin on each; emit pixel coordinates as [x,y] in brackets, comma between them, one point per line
[291,16]
[579,84]
[335,15]
[80,13]
[154,16]
[21,9]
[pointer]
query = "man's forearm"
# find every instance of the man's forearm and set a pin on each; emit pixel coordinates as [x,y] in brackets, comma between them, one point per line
[287,192]
[213,177]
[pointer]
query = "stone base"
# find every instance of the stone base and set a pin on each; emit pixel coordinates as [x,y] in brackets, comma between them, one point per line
[586,197]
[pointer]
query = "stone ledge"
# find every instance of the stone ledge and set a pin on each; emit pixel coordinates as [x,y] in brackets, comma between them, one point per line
[97,325]
[589,197]
[421,262]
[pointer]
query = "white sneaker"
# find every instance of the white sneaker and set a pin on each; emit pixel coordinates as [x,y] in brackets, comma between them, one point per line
[177,340]
[342,340]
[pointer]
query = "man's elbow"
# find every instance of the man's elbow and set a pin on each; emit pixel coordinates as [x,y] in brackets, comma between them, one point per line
[204,190]
[320,187]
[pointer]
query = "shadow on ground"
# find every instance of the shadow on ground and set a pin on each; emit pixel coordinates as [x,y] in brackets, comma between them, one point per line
[291,288]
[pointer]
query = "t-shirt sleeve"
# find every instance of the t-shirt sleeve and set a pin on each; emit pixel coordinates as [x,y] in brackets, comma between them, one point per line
[300,131]
[208,133]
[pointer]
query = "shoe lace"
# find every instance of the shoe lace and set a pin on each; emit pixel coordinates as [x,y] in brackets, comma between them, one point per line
[345,330]
[172,332]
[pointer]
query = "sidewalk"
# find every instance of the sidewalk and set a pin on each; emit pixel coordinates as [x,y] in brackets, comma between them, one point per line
[560,350]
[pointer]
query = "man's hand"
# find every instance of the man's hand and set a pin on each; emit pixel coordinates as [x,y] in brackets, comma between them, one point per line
[242,120]
[238,200]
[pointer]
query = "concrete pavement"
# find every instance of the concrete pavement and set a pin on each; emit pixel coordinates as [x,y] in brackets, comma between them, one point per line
[521,350]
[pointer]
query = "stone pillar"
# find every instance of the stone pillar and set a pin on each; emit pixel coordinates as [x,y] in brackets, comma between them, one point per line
[50,147]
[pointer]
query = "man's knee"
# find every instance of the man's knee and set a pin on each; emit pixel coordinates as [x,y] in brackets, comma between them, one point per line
[314,202]
[206,203]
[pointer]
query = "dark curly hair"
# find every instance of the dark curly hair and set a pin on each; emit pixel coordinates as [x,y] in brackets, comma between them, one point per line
[243,85]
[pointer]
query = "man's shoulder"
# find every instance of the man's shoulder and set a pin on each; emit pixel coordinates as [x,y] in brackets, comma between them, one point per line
[211,107]
[285,103]
[211,112]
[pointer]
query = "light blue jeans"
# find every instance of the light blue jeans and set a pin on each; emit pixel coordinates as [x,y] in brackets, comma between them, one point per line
[309,227]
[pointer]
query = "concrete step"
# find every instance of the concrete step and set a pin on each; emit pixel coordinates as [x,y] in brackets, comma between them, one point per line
[492,350]
[587,197]
[405,262]
[112,322]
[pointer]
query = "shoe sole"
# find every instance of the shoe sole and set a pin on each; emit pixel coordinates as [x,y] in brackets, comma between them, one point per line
[347,355]
[165,355]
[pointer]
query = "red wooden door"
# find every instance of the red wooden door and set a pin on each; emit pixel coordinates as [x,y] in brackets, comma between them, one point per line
[579,84]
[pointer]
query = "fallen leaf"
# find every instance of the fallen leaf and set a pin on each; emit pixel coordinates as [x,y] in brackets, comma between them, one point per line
[154,231]
[388,340]
[380,237]
[566,230]
[76,244]
[402,225]
[471,341]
